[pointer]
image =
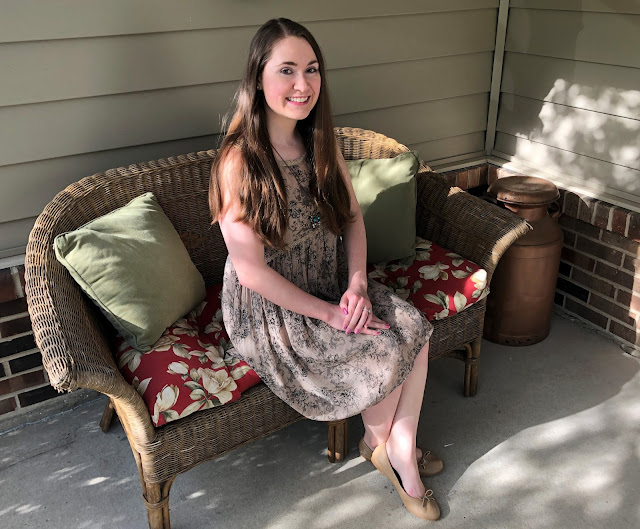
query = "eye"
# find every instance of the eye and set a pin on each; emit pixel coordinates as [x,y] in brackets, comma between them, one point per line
[286,71]
[312,69]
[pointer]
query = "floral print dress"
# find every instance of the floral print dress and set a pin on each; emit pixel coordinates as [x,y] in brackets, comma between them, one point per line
[323,373]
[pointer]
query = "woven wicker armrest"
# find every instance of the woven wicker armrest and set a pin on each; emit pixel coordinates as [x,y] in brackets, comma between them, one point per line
[68,329]
[463,223]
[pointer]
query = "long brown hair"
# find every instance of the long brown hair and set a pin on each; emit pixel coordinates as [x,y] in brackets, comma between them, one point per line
[263,195]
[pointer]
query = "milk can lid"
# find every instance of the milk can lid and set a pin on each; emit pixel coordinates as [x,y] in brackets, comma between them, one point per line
[524,190]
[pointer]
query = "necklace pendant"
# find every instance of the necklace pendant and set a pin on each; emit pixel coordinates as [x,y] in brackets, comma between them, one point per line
[315,220]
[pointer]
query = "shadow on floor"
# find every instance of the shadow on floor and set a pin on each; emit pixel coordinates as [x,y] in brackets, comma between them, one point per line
[551,440]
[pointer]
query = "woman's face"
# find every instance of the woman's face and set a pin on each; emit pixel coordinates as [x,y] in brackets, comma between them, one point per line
[291,79]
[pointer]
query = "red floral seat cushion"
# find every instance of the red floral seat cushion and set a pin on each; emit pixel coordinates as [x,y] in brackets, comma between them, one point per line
[435,280]
[190,368]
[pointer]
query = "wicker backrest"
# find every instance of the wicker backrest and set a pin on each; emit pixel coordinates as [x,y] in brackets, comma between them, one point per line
[357,144]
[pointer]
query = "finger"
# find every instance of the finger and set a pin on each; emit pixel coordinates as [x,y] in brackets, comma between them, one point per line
[376,319]
[370,331]
[355,316]
[344,303]
[364,317]
[369,317]
[368,312]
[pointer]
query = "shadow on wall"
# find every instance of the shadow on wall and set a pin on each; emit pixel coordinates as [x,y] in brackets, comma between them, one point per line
[585,124]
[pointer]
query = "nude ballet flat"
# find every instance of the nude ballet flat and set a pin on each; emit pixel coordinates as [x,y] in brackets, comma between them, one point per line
[425,508]
[428,465]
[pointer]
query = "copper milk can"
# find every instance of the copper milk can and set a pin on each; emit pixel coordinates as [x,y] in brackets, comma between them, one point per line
[523,286]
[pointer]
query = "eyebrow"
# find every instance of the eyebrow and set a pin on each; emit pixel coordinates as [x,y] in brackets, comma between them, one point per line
[291,63]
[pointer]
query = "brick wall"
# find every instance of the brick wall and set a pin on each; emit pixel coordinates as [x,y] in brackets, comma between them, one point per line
[599,275]
[23,381]
[597,279]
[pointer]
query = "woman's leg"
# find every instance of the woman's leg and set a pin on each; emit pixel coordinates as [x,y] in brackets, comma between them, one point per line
[402,438]
[395,420]
[378,419]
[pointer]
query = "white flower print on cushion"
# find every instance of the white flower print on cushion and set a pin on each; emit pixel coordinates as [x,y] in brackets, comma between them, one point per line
[402,293]
[165,342]
[165,400]
[209,388]
[440,298]
[400,265]
[140,386]
[459,301]
[240,371]
[434,272]
[131,358]
[230,360]
[170,378]
[461,274]
[433,278]
[480,282]
[183,326]
[377,272]
[423,249]
[215,325]
[195,313]
[215,354]
[456,260]
[218,383]
[178,368]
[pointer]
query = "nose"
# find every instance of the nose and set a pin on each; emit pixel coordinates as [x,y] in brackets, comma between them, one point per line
[300,83]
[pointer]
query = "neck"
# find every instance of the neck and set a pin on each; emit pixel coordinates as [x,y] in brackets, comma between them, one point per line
[282,131]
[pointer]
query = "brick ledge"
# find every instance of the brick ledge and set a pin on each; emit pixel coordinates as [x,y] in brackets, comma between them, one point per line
[598,213]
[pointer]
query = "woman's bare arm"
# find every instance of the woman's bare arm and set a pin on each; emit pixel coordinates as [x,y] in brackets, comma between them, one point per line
[247,255]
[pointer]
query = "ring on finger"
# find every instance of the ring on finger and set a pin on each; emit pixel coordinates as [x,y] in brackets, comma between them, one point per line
[368,311]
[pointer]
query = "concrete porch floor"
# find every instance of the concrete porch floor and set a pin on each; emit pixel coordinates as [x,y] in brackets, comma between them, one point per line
[552,440]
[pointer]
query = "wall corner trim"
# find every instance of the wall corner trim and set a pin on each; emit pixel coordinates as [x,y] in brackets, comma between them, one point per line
[496,75]
[8,262]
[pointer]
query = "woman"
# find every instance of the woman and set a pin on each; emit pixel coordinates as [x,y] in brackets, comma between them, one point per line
[296,301]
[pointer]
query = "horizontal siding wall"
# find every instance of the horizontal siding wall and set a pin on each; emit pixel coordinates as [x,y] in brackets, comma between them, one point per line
[570,95]
[107,84]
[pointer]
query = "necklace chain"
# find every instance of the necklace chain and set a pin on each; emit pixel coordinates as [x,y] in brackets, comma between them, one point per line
[280,156]
[315,219]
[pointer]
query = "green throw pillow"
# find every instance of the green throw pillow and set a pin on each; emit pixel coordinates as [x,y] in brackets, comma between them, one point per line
[134,266]
[386,191]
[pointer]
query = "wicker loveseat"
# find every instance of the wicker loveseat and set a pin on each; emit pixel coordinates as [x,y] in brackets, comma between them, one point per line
[76,341]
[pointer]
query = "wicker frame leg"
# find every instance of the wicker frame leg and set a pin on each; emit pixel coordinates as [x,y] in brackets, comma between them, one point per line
[157,501]
[337,448]
[471,366]
[155,497]
[107,416]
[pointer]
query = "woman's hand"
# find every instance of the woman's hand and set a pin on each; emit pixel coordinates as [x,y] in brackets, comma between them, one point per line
[337,318]
[357,313]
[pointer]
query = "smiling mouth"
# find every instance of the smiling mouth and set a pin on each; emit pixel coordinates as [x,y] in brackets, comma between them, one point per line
[298,99]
